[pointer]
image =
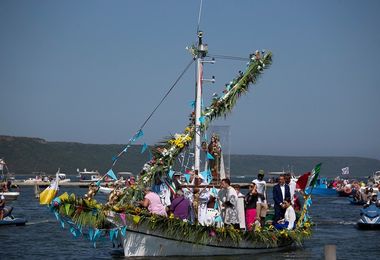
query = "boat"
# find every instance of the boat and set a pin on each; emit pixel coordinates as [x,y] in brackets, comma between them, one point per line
[6,183]
[144,234]
[88,176]
[10,195]
[369,217]
[322,188]
[374,179]
[9,219]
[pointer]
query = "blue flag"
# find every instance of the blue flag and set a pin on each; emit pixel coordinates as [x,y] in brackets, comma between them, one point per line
[139,134]
[143,149]
[187,177]
[171,173]
[112,174]
[124,230]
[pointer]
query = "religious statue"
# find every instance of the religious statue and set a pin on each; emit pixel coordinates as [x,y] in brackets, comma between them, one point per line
[215,150]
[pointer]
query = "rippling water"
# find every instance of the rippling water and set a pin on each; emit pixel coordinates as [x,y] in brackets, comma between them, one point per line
[43,238]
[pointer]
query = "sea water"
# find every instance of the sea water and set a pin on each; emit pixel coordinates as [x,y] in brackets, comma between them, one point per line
[44,238]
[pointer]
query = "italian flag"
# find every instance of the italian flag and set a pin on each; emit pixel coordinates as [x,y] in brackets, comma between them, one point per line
[309,179]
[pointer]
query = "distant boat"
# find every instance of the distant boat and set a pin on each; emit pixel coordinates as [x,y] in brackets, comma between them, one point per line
[322,188]
[6,184]
[88,176]
[10,195]
[9,219]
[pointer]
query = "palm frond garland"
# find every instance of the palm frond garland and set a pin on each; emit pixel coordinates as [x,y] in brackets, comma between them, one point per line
[221,106]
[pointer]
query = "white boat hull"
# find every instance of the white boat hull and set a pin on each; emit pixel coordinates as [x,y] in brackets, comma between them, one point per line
[141,244]
[10,195]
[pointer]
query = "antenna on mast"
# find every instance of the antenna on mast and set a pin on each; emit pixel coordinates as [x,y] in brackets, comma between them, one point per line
[199,15]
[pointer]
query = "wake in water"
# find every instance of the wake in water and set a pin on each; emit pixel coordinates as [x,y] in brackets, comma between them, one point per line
[335,222]
[39,222]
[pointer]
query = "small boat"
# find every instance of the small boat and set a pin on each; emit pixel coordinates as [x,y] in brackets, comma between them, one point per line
[356,202]
[322,188]
[9,219]
[369,217]
[105,190]
[10,195]
[88,176]
[345,191]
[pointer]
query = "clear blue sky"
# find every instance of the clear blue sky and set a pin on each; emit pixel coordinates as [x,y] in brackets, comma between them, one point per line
[92,71]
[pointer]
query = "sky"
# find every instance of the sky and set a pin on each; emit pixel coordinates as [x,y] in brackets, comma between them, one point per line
[92,72]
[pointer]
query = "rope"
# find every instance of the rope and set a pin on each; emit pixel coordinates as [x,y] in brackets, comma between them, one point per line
[227,57]
[167,93]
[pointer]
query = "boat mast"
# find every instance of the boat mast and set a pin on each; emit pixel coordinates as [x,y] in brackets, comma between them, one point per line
[201,52]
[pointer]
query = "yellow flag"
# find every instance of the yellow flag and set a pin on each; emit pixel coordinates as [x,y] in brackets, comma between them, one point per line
[49,193]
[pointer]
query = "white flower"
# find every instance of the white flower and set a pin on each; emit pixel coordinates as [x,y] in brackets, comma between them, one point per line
[259,67]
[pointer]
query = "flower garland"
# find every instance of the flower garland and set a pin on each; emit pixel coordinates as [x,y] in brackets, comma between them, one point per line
[93,215]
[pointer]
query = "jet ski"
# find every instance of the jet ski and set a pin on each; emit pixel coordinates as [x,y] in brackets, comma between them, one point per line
[369,217]
[9,219]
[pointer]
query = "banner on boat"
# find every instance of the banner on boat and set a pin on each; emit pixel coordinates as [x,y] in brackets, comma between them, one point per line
[49,193]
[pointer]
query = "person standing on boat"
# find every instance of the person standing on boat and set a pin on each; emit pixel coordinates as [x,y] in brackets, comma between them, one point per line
[2,205]
[153,202]
[262,205]
[251,201]
[229,204]
[292,186]
[280,191]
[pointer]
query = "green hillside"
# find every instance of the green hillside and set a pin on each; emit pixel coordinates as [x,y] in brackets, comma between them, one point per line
[26,155]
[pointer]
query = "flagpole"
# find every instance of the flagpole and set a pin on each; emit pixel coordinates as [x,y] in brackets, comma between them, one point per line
[316,171]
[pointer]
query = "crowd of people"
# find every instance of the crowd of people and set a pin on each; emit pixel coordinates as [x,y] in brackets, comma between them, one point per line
[365,194]
[225,206]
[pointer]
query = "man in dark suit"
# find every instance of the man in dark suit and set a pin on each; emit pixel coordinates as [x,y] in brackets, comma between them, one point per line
[280,192]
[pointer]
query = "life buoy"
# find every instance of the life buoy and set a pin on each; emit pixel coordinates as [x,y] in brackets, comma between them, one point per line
[347,190]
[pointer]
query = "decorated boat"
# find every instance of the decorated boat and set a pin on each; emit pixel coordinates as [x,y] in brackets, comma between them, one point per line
[141,233]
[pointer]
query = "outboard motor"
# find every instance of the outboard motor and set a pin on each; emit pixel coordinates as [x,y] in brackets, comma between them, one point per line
[369,217]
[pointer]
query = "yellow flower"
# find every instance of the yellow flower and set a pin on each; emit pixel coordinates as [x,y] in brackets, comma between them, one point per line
[136,219]
[171,216]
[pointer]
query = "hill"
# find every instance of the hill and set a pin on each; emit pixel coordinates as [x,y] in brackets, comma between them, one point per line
[25,155]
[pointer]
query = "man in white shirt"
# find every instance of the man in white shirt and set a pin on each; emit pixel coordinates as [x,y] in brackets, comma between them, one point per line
[292,186]
[261,205]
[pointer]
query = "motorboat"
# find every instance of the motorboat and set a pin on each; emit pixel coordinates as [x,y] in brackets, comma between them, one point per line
[369,217]
[10,195]
[9,219]
[322,188]
[88,176]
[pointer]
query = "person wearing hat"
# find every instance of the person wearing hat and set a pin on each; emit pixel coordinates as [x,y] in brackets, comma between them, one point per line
[261,205]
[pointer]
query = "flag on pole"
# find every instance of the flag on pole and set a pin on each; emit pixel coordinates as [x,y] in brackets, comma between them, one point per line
[302,181]
[346,170]
[314,175]
[49,193]
[312,180]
